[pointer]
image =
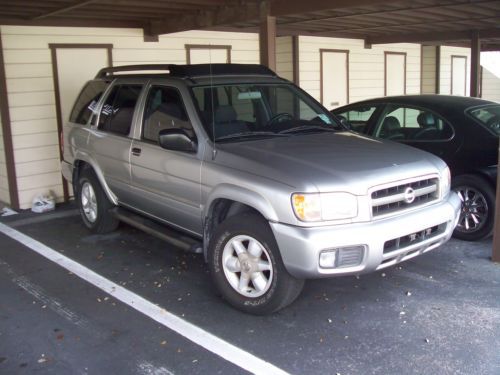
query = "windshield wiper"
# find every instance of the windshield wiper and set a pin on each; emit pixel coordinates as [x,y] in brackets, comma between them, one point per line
[249,135]
[306,128]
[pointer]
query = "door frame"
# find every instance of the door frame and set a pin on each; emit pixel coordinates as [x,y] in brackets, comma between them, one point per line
[326,50]
[53,51]
[190,47]
[386,53]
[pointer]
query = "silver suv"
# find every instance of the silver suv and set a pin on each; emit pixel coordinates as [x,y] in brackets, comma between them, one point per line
[234,162]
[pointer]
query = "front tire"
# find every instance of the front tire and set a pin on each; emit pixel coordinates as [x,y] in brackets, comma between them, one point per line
[94,205]
[246,266]
[478,207]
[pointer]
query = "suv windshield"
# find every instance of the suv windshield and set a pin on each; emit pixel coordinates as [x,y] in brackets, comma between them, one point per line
[239,111]
[488,116]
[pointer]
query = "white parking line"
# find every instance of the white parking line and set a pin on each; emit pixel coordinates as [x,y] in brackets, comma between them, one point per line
[199,336]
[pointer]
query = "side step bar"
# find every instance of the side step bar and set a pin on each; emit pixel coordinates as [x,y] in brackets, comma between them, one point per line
[158,230]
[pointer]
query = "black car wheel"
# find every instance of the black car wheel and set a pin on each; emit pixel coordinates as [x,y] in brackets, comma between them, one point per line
[478,207]
[246,266]
[94,205]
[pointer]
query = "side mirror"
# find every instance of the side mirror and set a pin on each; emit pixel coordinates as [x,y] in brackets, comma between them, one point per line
[345,123]
[177,140]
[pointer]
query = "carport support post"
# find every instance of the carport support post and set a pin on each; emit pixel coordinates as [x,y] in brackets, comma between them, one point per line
[495,256]
[267,37]
[475,64]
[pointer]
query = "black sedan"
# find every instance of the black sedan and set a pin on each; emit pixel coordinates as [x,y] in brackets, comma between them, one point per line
[462,131]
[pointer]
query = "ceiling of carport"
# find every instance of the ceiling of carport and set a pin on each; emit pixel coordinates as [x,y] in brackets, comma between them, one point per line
[376,21]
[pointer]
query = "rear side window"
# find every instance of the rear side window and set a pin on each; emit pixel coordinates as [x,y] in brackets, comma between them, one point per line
[118,110]
[412,124]
[86,103]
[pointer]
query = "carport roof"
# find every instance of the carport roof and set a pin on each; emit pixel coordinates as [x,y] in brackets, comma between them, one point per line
[376,21]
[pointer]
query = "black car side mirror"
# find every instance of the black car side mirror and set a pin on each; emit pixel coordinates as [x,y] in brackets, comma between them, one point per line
[176,139]
[344,122]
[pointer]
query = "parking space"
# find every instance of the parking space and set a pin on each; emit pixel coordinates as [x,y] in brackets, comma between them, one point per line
[438,313]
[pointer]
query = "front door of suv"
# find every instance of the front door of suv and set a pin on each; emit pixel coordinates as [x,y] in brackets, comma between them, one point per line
[166,183]
[110,139]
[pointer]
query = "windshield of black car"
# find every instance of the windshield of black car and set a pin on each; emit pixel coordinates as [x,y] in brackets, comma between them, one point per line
[488,115]
[235,111]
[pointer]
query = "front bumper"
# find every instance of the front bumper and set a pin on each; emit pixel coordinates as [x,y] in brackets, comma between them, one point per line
[386,242]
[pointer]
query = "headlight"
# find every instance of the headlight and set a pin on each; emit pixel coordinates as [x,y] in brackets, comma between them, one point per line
[324,206]
[445,182]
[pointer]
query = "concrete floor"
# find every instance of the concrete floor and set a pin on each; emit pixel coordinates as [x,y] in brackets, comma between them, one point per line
[436,314]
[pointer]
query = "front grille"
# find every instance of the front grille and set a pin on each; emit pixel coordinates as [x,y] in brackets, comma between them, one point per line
[393,199]
[413,238]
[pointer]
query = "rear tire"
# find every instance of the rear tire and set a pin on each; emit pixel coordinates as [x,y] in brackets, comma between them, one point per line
[478,207]
[246,266]
[94,205]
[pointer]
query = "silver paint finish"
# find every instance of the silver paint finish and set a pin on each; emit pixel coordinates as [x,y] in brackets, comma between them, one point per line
[179,188]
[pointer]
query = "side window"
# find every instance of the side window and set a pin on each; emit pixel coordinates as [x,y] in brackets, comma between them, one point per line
[118,110]
[412,124]
[358,117]
[87,101]
[164,110]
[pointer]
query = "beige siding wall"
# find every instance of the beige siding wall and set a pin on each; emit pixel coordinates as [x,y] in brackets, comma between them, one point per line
[445,68]
[4,182]
[490,62]
[284,57]
[490,86]
[31,90]
[366,66]
[429,69]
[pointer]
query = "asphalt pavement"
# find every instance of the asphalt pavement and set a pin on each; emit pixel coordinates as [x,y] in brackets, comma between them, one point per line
[435,314]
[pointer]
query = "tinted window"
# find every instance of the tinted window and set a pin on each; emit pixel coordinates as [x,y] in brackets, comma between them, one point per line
[86,103]
[358,117]
[406,123]
[488,116]
[118,110]
[164,110]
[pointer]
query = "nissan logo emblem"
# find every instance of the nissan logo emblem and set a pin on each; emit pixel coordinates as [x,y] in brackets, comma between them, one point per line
[409,195]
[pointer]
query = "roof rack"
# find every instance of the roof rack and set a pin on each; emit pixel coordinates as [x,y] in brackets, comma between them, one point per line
[195,70]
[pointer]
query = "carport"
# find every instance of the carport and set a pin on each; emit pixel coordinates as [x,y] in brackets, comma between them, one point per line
[140,264]
[472,24]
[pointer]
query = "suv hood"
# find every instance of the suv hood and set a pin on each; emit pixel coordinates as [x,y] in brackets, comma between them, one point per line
[324,162]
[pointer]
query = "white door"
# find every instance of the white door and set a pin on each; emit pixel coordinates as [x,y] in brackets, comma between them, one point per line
[395,73]
[75,66]
[458,75]
[335,83]
[208,56]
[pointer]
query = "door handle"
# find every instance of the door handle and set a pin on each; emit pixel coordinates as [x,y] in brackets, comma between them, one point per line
[136,151]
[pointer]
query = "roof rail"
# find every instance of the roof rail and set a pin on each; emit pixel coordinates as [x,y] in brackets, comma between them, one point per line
[105,72]
[194,70]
